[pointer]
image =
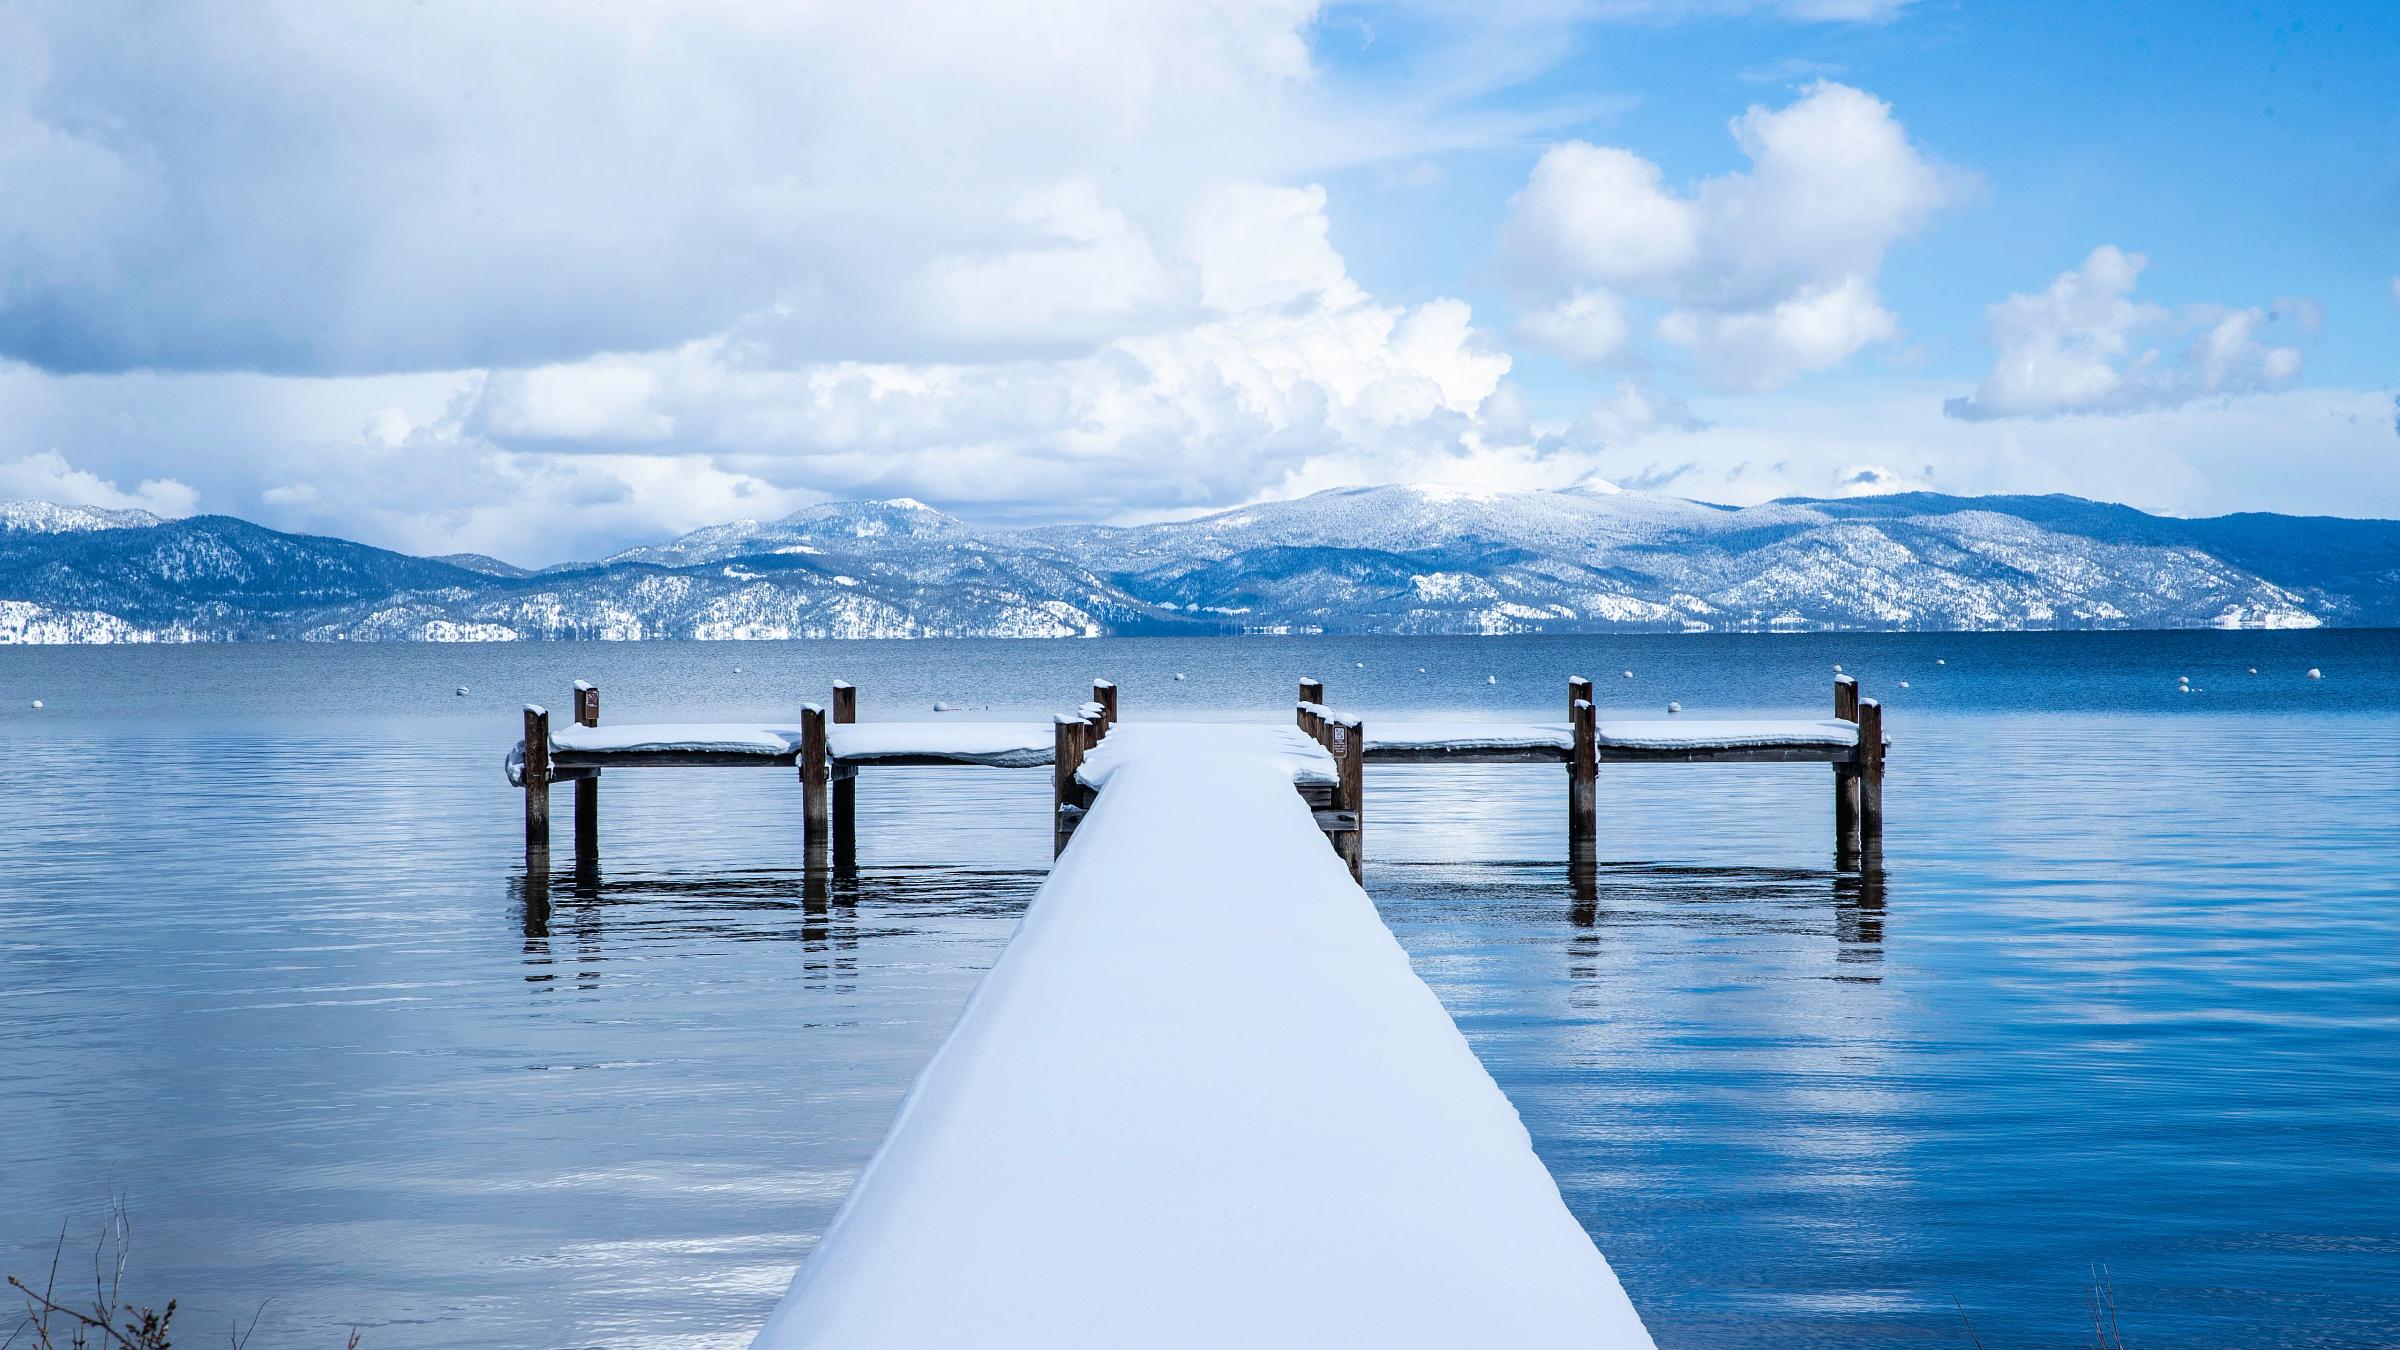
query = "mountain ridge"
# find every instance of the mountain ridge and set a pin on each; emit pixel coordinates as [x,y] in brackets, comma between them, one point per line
[1406,558]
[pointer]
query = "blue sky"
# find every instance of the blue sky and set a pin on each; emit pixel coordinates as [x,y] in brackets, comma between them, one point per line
[549,280]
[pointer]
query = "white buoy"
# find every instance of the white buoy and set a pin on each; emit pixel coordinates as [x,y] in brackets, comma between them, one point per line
[940,706]
[2254,670]
[1420,670]
[1904,684]
[737,670]
[1494,679]
[1629,674]
[2315,674]
[1360,665]
[2183,679]
[1940,662]
[462,691]
[37,703]
[1674,707]
[1179,674]
[2183,688]
[1837,668]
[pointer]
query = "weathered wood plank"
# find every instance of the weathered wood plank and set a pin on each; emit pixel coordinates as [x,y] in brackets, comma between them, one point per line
[1487,754]
[671,759]
[1729,754]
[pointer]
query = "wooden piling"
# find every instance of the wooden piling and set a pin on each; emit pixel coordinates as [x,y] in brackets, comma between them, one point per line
[1095,727]
[1845,776]
[1066,795]
[1347,740]
[1312,691]
[845,784]
[1579,690]
[1870,778]
[815,765]
[586,703]
[1583,791]
[536,771]
[1104,693]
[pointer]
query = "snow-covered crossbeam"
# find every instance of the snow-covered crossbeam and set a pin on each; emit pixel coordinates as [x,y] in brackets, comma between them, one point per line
[1203,1101]
[1000,745]
[1436,740]
[769,740]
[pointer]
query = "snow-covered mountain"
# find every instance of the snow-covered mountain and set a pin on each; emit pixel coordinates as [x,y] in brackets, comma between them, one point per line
[1385,559]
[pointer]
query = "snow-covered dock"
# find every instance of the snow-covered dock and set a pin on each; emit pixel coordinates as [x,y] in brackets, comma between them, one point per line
[1203,1101]
[1324,750]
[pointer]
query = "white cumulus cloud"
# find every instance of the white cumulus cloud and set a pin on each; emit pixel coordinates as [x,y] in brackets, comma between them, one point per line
[1762,275]
[2085,344]
[48,477]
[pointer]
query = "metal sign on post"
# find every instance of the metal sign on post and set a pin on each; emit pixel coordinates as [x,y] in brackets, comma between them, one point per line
[1341,740]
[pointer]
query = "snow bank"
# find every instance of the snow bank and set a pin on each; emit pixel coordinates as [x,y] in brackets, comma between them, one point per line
[1685,734]
[1280,750]
[1001,745]
[1465,736]
[736,738]
[1203,1101]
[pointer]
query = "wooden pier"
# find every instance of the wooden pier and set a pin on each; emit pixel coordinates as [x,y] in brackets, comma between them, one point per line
[1203,1099]
[1329,752]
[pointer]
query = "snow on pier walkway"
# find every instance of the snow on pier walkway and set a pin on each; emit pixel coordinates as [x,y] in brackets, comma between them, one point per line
[1203,1100]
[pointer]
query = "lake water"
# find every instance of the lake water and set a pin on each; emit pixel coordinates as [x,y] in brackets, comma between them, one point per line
[2125,994]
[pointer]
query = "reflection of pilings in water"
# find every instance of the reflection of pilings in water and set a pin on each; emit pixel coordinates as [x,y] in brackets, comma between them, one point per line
[712,907]
[1858,912]
[531,893]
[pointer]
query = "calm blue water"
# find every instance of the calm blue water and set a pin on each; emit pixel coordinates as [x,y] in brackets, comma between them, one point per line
[2125,993]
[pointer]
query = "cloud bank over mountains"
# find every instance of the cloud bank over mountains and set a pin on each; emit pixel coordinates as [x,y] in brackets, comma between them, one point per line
[540,280]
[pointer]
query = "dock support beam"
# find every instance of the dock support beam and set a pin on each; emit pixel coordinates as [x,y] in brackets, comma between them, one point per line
[587,788]
[845,785]
[814,766]
[537,781]
[1845,776]
[1583,791]
[1347,740]
[1870,781]
[1066,795]
[1104,693]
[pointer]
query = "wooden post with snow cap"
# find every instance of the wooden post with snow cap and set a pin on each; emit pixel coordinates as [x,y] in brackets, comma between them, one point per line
[1312,697]
[1066,796]
[1104,693]
[814,766]
[845,783]
[1347,740]
[587,787]
[536,780]
[1845,776]
[1870,778]
[1583,791]
[1095,727]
